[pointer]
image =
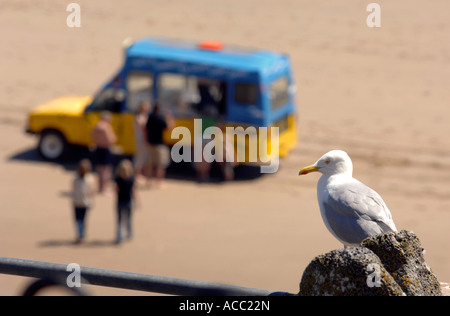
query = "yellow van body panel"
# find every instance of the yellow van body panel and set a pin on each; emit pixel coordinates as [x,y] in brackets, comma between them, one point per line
[245,150]
[67,115]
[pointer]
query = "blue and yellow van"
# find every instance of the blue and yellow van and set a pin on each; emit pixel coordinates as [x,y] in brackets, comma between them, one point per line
[239,87]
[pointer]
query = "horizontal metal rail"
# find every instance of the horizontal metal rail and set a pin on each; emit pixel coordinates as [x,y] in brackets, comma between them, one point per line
[128,280]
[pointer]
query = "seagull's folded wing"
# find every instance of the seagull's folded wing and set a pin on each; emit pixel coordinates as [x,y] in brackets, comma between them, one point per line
[354,211]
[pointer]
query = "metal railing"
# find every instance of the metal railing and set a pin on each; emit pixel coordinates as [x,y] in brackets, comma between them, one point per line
[57,274]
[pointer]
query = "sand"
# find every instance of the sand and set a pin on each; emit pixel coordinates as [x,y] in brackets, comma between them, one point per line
[381,94]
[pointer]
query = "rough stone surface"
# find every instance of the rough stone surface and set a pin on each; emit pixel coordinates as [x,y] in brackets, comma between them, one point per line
[347,272]
[398,258]
[402,255]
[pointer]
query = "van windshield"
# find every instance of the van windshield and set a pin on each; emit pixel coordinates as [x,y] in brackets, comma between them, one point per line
[279,92]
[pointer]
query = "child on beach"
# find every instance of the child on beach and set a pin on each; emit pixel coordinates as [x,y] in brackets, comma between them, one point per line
[126,196]
[82,196]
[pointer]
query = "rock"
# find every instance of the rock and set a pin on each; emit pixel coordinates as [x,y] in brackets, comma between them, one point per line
[402,255]
[388,264]
[348,272]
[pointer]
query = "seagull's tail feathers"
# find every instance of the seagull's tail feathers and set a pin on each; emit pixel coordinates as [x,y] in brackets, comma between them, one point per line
[388,226]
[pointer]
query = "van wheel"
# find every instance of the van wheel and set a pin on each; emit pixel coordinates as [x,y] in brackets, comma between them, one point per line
[52,145]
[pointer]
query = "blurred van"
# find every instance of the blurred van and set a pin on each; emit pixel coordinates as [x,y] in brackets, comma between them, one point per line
[233,85]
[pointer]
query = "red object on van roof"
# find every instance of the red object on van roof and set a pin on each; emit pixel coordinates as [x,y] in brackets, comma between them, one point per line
[211,45]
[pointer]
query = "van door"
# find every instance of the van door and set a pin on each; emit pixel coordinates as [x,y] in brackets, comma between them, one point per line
[139,87]
[109,99]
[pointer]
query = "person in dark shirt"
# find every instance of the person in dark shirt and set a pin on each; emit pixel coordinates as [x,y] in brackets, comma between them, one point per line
[158,152]
[126,196]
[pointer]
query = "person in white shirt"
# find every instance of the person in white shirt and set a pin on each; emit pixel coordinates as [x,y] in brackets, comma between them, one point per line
[82,195]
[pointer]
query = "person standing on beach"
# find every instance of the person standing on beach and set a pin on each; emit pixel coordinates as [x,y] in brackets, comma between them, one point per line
[126,197]
[83,192]
[140,156]
[158,151]
[103,137]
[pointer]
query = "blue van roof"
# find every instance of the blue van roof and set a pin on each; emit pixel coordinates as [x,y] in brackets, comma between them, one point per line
[237,58]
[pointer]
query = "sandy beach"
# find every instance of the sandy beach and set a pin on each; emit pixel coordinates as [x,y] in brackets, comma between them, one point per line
[380,94]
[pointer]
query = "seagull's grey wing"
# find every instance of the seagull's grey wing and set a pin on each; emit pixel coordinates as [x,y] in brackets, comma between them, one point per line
[355,211]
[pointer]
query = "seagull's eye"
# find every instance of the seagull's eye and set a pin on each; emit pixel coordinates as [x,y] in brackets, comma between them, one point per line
[327,162]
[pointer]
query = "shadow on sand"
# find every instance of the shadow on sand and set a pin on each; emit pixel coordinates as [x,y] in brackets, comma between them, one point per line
[176,171]
[73,243]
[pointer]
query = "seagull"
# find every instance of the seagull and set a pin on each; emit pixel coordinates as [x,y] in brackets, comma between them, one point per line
[350,210]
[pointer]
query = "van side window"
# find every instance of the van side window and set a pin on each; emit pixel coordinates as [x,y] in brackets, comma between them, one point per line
[140,89]
[189,96]
[246,93]
[279,92]
[173,94]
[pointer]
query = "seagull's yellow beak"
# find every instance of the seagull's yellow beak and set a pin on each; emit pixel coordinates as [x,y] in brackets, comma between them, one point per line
[308,169]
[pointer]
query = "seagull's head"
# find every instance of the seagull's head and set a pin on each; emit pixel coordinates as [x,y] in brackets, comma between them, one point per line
[332,163]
